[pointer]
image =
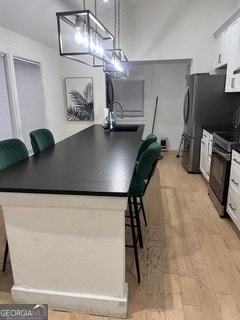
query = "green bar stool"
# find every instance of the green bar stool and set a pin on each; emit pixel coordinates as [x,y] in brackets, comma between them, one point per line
[151,138]
[144,169]
[12,151]
[147,180]
[145,144]
[41,139]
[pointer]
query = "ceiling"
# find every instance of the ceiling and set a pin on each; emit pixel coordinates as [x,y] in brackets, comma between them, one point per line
[36,19]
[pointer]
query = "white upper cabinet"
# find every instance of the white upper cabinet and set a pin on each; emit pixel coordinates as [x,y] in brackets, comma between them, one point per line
[235,44]
[227,51]
[222,49]
[218,53]
[233,78]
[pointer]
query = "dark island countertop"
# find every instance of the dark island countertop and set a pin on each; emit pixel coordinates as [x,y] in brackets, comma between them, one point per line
[91,162]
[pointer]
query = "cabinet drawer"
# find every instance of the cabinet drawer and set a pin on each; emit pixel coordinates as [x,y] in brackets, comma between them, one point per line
[205,134]
[234,181]
[235,159]
[233,207]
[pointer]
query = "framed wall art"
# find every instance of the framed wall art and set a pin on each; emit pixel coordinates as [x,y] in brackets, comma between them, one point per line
[79,96]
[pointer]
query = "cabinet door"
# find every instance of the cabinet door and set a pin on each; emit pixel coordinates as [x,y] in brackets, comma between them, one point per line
[226,40]
[204,157]
[236,159]
[205,134]
[218,52]
[233,207]
[234,181]
[235,44]
[233,80]
[209,159]
[222,49]
[233,201]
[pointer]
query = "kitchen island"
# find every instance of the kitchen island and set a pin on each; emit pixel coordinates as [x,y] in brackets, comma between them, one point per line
[64,214]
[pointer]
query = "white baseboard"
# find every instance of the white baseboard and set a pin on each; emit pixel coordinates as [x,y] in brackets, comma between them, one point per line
[73,302]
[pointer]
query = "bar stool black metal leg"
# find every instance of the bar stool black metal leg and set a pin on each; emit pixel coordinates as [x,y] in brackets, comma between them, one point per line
[143,211]
[134,238]
[5,257]
[138,221]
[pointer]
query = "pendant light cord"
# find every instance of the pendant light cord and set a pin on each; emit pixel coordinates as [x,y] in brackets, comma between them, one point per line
[118,24]
[115,23]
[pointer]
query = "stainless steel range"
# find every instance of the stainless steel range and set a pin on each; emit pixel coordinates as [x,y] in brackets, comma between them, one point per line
[226,139]
[220,167]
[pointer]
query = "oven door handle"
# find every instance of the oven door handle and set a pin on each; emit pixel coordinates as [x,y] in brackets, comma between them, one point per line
[225,156]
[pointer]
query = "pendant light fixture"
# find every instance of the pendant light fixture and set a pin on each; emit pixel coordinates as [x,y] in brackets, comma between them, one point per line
[83,38]
[118,67]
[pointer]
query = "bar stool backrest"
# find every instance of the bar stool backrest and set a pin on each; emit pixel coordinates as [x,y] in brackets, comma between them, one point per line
[12,151]
[41,139]
[145,144]
[148,161]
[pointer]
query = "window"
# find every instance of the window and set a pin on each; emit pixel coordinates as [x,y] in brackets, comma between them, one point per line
[21,99]
[30,97]
[130,93]
[6,130]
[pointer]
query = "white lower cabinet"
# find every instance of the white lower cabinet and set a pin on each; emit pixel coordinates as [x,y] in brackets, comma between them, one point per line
[203,158]
[206,154]
[233,201]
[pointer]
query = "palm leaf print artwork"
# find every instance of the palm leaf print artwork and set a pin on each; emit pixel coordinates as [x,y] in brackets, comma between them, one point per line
[80,101]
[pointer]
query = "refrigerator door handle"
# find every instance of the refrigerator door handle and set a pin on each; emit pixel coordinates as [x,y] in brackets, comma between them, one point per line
[185,142]
[186,105]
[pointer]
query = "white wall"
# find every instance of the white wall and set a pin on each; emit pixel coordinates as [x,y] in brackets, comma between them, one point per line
[54,70]
[167,81]
[14,44]
[173,29]
[74,69]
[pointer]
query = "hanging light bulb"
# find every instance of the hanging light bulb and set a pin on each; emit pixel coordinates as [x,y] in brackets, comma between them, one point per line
[99,46]
[79,32]
[117,65]
[116,62]
[92,40]
[78,36]
[85,35]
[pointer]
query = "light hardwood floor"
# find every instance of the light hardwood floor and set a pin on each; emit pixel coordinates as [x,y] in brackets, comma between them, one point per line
[190,263]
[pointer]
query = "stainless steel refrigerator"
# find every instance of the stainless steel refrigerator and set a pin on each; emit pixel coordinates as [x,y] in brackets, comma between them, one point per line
[205,105]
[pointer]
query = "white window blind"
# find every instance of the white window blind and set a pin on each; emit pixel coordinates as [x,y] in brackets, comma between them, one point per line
[30,97]
[130,93]
[6,130]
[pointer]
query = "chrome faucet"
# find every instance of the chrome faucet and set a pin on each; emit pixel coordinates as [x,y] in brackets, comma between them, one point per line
[111,108]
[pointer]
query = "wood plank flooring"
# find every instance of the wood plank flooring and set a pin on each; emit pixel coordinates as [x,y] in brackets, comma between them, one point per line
[190,263]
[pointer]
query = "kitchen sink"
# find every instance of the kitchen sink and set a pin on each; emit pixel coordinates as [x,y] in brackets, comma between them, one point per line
[126,127]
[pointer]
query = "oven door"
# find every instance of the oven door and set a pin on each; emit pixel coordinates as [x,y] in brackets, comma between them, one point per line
[219,173]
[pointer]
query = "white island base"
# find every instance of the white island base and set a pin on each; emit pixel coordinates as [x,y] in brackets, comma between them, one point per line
[68,251]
